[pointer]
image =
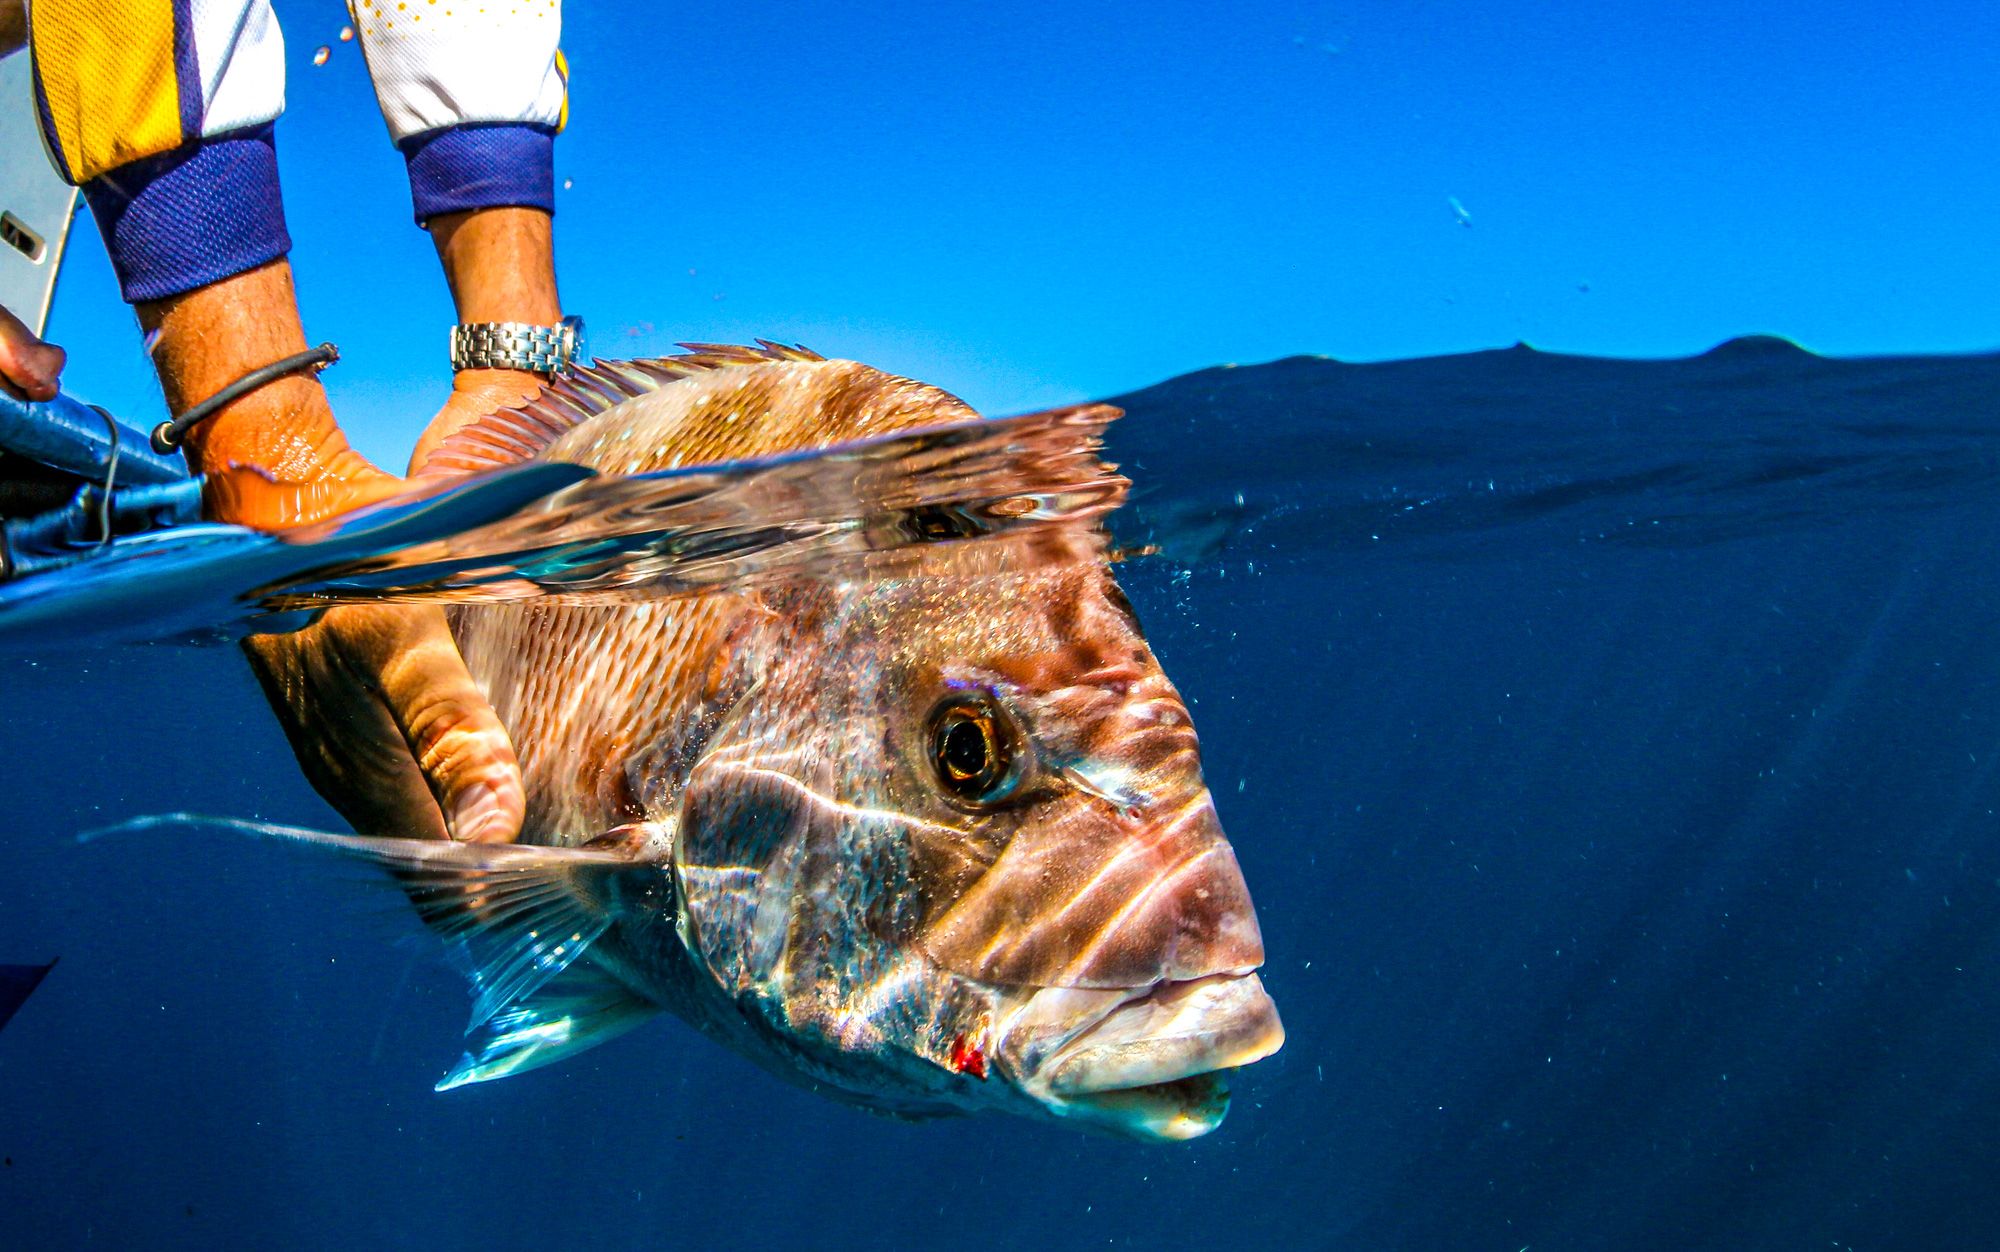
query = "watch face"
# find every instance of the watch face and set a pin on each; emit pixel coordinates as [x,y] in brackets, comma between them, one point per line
[573,338]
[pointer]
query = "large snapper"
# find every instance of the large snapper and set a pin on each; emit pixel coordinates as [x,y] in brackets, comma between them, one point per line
[930,841]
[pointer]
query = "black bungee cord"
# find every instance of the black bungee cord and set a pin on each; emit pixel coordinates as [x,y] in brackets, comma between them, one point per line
[168,435]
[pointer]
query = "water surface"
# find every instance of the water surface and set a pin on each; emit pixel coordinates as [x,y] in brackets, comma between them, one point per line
[1610,747]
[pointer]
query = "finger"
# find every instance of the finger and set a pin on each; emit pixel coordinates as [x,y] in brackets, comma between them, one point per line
[347,745]
[33,367]
[453,733]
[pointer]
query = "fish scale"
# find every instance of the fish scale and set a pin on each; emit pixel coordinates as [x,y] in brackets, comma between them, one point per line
[565,678]
[927,834]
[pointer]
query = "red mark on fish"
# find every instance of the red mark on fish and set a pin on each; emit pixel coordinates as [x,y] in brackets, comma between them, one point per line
[967,1058]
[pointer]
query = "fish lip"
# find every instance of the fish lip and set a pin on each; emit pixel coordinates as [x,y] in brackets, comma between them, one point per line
[1186,1108]
[1171,1031]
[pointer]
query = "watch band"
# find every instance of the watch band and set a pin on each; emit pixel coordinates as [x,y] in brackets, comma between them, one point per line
[517,345]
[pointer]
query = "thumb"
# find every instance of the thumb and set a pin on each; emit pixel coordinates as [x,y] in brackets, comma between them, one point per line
[455,736]
[26,362]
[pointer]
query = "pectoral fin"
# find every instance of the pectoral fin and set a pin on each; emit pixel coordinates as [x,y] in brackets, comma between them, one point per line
[579,1008]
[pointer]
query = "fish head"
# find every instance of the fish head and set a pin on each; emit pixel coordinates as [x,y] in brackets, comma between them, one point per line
[953,850]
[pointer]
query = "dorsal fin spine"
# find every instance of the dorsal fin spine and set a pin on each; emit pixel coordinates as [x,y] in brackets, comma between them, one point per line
[635,380]
[563,408]
[510,436]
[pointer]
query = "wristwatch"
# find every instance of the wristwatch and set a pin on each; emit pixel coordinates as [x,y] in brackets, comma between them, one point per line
[517,346]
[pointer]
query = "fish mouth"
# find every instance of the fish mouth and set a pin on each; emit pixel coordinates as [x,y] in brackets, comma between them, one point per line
[1153,1067]
[1186,1108]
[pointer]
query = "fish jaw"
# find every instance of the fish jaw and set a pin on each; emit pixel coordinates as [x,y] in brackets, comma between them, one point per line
[1149,1063]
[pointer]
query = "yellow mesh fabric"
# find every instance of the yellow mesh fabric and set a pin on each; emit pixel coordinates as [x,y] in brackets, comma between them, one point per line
[562,68]
[107,73]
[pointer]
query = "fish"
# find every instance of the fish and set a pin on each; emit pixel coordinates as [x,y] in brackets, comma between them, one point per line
[933,840]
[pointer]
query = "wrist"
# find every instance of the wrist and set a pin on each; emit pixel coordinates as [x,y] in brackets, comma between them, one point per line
[517,346]
[499,264]
[475,393]
[211,337]
[497,382]
[285,428]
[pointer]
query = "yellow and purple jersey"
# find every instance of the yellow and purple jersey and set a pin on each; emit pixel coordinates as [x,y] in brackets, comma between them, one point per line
[162,111]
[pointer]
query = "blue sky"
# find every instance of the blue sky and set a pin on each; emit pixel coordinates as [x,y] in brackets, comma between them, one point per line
[1032,204]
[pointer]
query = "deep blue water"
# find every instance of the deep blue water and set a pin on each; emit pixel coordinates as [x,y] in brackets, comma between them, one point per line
[1611,749]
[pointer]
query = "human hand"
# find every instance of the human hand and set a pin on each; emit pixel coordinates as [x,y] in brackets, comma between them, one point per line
[385,721]
[29,368]
[388,726]
[380,711]
[377,704]
[375,700]
[416,735]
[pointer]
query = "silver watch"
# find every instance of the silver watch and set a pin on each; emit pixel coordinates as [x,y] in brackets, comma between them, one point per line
[517,346]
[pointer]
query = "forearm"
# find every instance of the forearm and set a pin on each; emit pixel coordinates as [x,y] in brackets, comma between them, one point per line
[499,264]
[213,335]
[475,116]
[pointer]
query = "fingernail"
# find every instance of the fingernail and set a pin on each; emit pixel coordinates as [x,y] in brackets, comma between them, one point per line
[479,816]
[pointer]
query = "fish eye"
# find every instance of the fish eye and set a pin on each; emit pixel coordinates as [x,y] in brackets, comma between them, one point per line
[972,750]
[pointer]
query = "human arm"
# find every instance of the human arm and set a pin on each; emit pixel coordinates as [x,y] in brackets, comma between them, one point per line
[500,265]
[473,104]
[474,100]
[377,705]
[177,157]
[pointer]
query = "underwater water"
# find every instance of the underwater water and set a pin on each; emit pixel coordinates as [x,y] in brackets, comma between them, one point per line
[1611,748]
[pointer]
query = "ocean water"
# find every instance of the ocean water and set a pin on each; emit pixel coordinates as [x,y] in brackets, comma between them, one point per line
[1610,748]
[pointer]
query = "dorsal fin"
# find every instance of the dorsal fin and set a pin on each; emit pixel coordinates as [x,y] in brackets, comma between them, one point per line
[510,436]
